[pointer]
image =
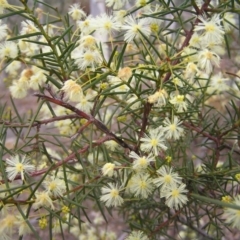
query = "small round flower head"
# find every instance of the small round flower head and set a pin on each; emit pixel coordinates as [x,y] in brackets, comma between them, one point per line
[108,169]
[55,187]
[195,41]
[229,21]
[88,58]
[110,195]
[172,129]
[42,222]
[49,29]
[84,102]
[233,215]
[140,163]
[218,84]
[189,55]
[7,225]
[120,15]
[3,5]
[191,71]
[13,67]
[116,4]
[28,27]
[43,200]
[106,24]
[113,80]
[141,185]
[111,145]
[18,90]
[125,73]
[18,165]
[3,30]
[86,26]
[227,199]
[134,102]
[179,102]
[175,195]
[137,235]
[135,27]
[23,227]
[237,177]
[72,90]
[207,59]
[159,98]
[8,50]
[37,79]
[211,29]
[87,42]
[154,141]
[167,177]
[76,12]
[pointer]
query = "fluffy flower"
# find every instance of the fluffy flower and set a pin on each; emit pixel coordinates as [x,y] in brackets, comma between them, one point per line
[140,163]
[195,41]
[108,169]
[229,21]
[175,195]
[110,196]
[18,165]
[43,200]
[218,84]
[8,50]
[207,59]
[111,145]
[3,4]
[179,102]
[23,227]
[211,29]
[189,55]
[87,42]
[28,27]
[172,129]
[154,141]
[28,48]
[3,30]
[166,177]
[86,26]
[133,101]
[55,187]
[233,215]
[116,4]
[18,89]
[37,79]
[191,71]
[106,24]
[141,185]
[76,12]
[120,15]
[7,224]
[159,98]
[13,67]
[134,28]
[137,235]
[88,58]
[84,102]
[125,73]
[72,90]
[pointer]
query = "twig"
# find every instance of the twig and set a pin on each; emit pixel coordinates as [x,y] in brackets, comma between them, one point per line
[89,117]
[39,122]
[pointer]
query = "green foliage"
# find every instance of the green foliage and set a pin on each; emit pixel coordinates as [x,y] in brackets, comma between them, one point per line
[132,114]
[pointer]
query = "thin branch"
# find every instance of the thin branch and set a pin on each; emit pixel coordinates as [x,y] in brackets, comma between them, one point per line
[39,122]
[89,117]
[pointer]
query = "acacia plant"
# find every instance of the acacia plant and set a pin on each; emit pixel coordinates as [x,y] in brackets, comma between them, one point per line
[143,125]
